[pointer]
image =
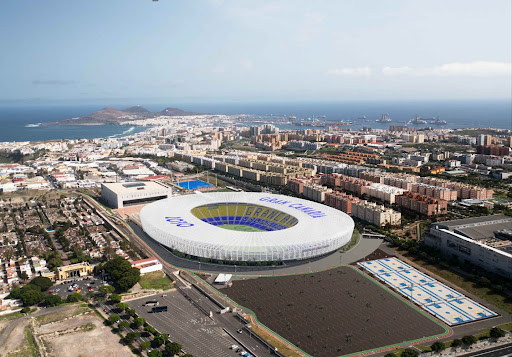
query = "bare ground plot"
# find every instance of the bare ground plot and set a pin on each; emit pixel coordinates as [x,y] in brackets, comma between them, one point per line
[332,313]
[100,342]
[67,311]
[69,324]
[75,330]
[16,343]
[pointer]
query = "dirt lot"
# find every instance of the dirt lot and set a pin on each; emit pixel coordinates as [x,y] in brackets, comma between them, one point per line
[69,324]
[100,342]
[16,343]
[332,313]
[78,331]
[71,310]
[73,330]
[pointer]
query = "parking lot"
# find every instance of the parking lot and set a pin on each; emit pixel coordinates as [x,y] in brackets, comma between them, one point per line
[199,335]
[81,285]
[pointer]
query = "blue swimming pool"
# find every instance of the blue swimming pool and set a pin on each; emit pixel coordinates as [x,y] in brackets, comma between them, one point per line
[194,185]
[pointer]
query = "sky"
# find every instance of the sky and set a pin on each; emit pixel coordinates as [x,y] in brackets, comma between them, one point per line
[243,50]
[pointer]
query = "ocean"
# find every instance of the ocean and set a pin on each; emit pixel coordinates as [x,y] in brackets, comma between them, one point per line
[20,122]
[458,114]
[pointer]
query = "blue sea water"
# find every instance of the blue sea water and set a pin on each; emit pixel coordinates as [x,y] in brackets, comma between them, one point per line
[21,123]
[17,121]
[458,114]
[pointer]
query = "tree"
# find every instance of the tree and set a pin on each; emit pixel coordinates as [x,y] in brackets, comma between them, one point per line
[145,345]
[53,300]
[114,318]
[497,332]
[469,340]
[115,298]
[75,297]
[106,289]
[122,306]
[390,355]
[15,293]
[173,348]
[127,282]
[140,321]
[122,273]
[498,289]
[23,276]
[131,336]
[437,346]
[43,282]
[191,355]
[160,339]
[409,352]
[131,312]
[456,343]
[484,281]
[123,324]
[31,297]
[150,329]
[155,353]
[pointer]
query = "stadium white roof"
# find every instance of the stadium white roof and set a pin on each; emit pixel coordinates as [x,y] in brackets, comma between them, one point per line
[320,229]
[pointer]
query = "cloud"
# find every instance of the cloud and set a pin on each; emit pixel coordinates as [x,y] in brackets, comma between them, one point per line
[351,72]
[220,68]
[473,69]
[310,28]
[247,64]
[54,82]
[393,71]
[149,83]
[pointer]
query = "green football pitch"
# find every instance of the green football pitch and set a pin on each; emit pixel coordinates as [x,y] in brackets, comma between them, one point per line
[240,228]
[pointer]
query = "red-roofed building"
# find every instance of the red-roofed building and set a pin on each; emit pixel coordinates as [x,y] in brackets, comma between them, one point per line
[147,265]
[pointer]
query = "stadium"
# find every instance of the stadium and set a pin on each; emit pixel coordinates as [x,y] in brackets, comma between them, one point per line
[236,226]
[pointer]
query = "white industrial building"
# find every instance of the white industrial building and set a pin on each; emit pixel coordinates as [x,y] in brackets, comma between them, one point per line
[119,195]
[483,241]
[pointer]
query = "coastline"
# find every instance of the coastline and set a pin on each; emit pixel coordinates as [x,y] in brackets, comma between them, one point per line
[70,132]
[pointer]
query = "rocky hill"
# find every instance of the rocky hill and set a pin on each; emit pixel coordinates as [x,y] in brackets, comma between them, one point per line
[113,116]
[176,112]
[136,110]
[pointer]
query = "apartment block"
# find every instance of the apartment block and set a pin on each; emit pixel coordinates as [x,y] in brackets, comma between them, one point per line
[421,204]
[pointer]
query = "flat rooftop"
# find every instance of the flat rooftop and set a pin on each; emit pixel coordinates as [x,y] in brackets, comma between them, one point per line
[484,231]
[128,187]
[474,221]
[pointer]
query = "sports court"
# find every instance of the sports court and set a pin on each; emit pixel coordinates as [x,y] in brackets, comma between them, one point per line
[438,299]
[193,184]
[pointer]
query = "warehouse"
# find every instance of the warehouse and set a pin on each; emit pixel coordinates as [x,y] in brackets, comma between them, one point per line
[122,194]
